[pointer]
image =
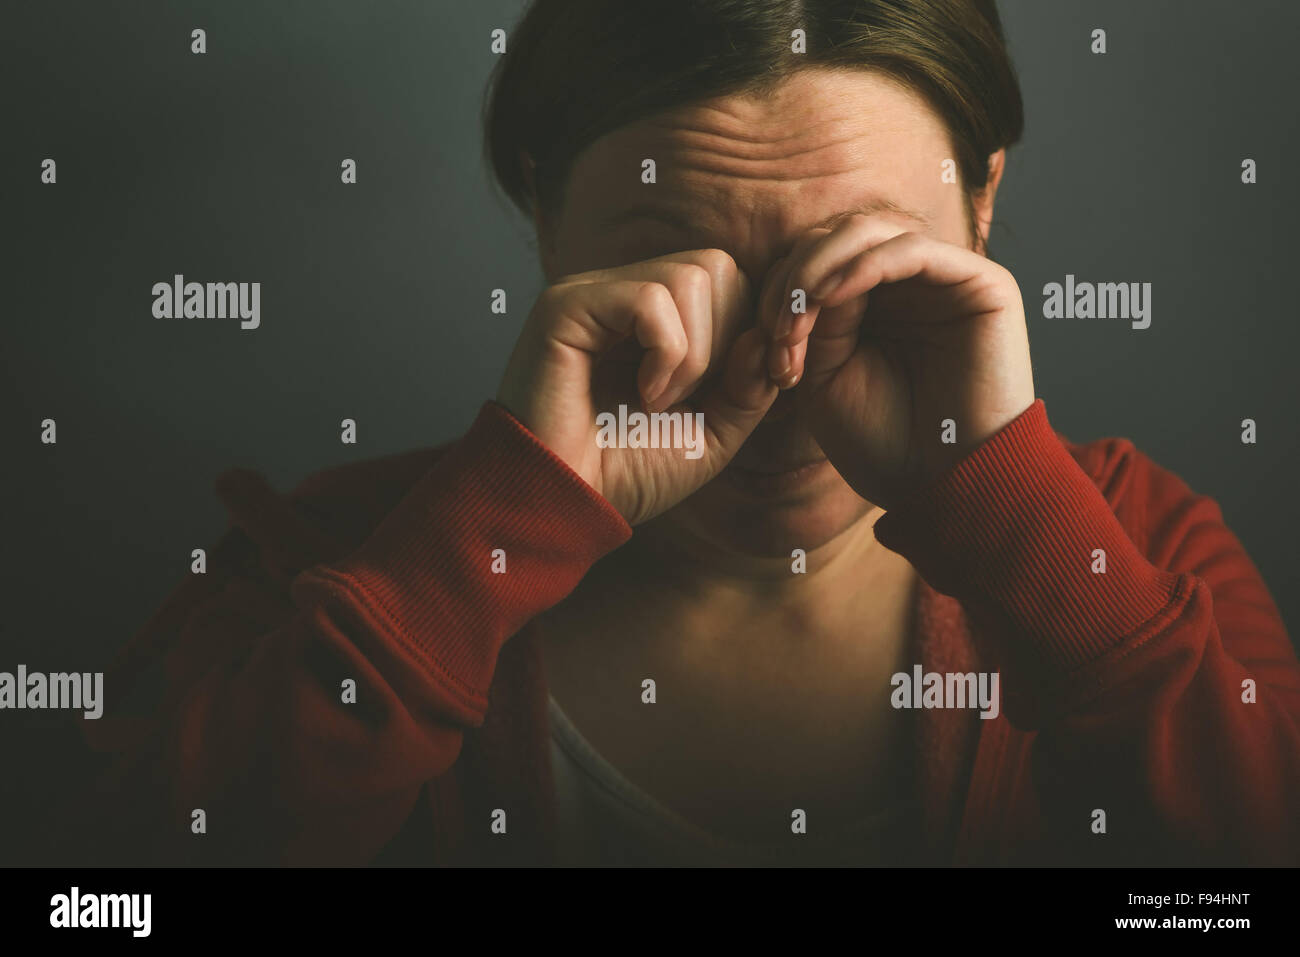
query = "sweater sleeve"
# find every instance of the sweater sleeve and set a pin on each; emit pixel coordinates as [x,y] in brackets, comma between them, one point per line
[1162,690]
[305,721]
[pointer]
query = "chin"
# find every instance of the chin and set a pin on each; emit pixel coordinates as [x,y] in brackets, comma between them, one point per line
[770,518]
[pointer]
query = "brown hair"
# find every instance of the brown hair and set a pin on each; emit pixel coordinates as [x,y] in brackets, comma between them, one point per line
[577,69]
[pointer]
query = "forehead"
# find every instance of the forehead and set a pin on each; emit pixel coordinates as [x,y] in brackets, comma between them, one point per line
[755,170]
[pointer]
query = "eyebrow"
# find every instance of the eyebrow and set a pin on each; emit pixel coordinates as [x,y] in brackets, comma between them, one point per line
[878,205]
[679,218]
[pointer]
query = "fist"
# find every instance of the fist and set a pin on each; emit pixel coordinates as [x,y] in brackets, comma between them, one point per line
[661,338]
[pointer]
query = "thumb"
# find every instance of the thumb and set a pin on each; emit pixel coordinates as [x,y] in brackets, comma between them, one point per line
[738,399]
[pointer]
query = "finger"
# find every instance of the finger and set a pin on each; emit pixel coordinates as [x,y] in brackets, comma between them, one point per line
[785,363]
[731,289]
[834,249]
[732,295]
[596,316]
[659,330]
[842,297]
[797,312]
[906,256]
[738,400]
[690,286]
[776,306]
[712,315]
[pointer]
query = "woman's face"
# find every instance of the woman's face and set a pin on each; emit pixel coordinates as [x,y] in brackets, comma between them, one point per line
[747,176]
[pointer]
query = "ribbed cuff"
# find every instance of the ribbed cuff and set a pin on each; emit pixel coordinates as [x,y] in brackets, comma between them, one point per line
[1013,530]
[427,569]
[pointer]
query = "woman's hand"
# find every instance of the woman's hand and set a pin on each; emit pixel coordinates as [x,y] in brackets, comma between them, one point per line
[660,331]
[901,332]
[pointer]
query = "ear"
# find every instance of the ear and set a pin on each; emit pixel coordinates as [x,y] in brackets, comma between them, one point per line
[983,200]
[541,225]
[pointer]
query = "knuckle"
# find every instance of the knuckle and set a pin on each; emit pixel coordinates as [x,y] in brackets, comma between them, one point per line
[726,277]
[695,364]
[689,279]
[679,346]
[718,263]
[654,298]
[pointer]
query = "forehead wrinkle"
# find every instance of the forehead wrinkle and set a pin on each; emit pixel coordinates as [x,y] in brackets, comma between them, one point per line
[673,128]
[815,165]
[753,158]
[852,152]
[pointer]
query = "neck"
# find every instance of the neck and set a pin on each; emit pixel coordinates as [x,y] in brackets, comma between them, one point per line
[840,582]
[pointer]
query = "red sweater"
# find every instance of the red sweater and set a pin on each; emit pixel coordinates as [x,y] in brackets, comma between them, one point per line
[1121,691]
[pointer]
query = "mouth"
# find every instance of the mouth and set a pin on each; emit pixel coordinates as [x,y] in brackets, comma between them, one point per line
[766,479]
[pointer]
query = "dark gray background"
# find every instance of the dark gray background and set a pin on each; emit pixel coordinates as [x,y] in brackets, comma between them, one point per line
[375,297]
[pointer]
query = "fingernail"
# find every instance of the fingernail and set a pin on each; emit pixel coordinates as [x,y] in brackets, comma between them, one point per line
[782,362]
[656,390]
[788,362]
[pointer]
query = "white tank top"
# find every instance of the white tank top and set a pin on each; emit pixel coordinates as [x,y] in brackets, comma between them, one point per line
[603,819]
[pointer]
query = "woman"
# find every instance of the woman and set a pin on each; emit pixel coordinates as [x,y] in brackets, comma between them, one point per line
[874,611]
